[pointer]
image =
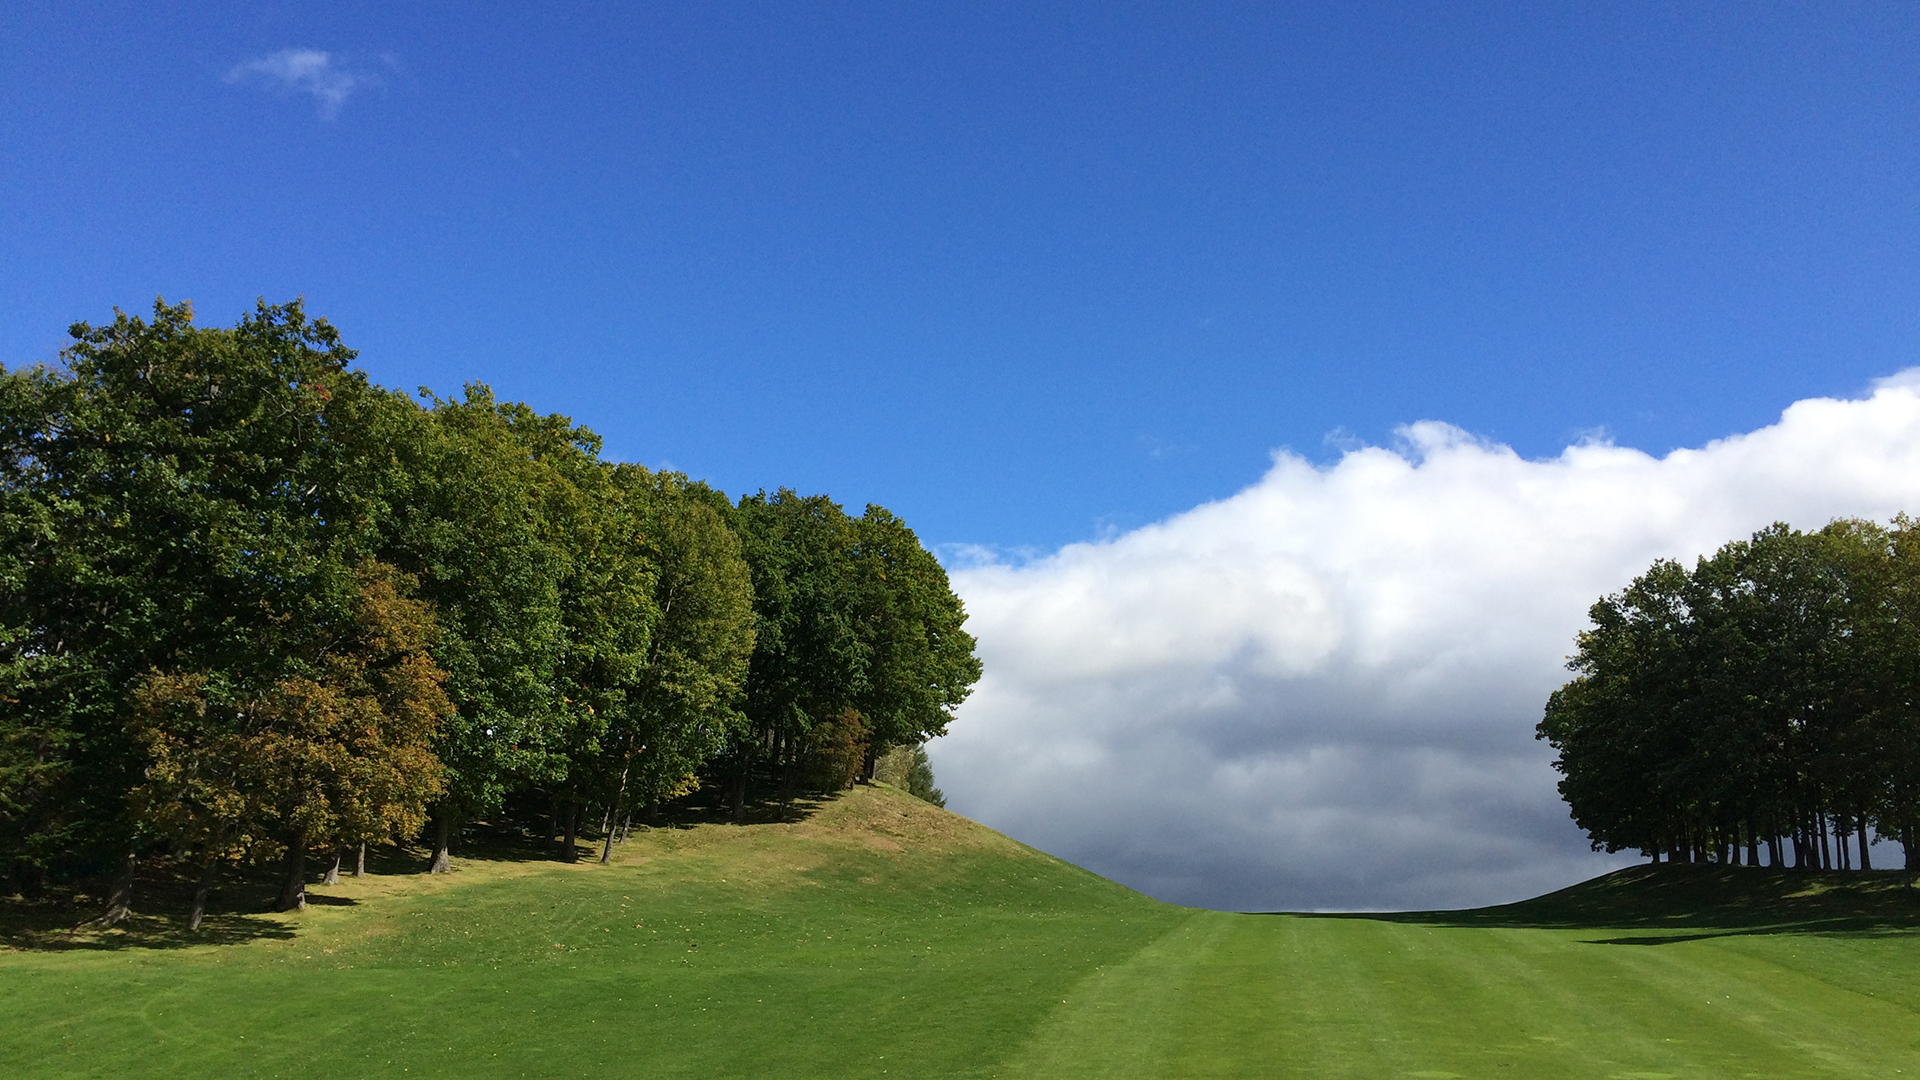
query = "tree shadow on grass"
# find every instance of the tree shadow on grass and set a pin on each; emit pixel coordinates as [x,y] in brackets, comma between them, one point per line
[57,920]
[710,806]
[524,836]
[1669,904]
[141,930]
[237,911]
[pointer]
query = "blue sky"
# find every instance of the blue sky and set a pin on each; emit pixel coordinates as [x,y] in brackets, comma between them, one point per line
[1023,273]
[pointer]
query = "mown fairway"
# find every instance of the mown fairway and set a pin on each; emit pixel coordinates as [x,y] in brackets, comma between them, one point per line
[882,937]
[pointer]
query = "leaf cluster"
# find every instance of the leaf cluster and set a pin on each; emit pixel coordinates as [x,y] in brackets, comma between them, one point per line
[1765,696]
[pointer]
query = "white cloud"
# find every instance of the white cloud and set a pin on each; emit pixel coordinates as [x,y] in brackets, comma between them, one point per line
[307,71]
[1321,692]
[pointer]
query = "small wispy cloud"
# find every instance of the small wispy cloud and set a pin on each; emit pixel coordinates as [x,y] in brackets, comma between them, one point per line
[307,71]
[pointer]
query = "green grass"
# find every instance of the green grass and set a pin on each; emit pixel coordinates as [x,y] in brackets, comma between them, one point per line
[882,937]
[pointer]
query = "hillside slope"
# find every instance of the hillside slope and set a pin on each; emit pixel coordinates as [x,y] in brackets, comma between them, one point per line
[879,936]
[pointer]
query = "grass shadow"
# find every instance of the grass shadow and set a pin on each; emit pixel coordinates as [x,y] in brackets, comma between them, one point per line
[1670,903]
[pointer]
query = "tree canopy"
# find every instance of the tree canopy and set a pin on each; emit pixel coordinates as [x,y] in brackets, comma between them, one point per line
[1763,700]
[253,605]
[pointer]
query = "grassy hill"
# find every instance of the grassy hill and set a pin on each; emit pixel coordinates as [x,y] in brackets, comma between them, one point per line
[879,936]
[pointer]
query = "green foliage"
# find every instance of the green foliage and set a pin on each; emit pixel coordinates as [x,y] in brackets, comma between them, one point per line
[920,779]
[1761,698]
[471,527]
[858,637]
[922,662]
[678,702]
[178,500]
[250,601]
[907,768]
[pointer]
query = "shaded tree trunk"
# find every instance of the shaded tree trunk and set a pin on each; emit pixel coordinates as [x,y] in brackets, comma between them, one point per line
[442,841]
[1906,841]
[360,861]
[569,852]
[31,878]
[789,774]
[740,787]
[293,893]
[1866,860]
[119,899]
[333,872]
[208,869]
[613,811]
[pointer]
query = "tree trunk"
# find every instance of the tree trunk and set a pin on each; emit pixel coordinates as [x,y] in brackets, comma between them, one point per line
[613,811]
[442,841]
[569,852]
[333,872]
[789,775]
[120,900]
[1773,853]
[360,861]
[1820,826]
[32,878]
[1866,861]
[740,788]
[1753,847]
[1906,842]
[207,871]
[293,894]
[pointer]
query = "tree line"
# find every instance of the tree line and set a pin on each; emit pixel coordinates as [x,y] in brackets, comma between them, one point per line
[255,607]
[1761,708]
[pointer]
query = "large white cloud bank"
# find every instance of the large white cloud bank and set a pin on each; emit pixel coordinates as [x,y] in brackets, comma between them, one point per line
[1321,692]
